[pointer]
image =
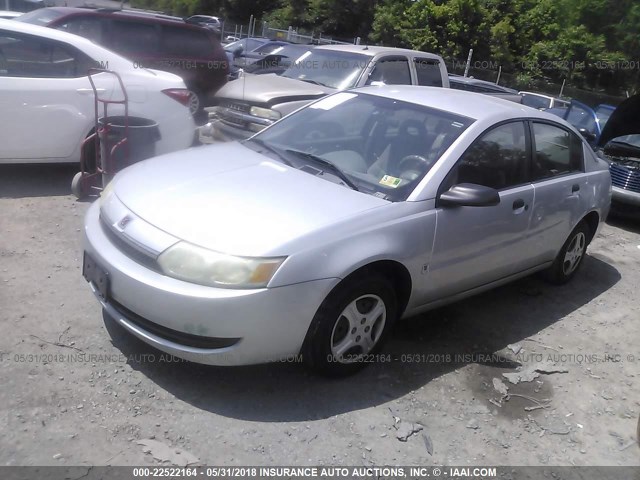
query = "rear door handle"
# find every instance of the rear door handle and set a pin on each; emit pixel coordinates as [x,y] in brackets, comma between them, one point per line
[517,204]
[575,188]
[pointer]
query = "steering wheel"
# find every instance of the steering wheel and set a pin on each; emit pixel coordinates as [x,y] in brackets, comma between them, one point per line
[416,161]
[322,130]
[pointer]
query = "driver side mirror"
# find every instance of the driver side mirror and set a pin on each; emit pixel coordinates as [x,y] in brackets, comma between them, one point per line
[469,195]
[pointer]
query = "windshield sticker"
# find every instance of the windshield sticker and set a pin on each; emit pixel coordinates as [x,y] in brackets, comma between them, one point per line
[328,103]
[389,181]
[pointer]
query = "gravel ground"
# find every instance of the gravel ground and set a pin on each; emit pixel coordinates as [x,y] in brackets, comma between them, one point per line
[76,390]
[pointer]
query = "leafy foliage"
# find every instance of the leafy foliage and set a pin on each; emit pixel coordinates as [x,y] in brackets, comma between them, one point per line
[591,43]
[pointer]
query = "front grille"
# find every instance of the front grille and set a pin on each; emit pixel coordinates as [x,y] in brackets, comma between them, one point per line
[128,249]
[238,107]
[181,338]
[625,177]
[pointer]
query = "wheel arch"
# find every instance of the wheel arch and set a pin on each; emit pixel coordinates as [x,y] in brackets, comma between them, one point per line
[395,271]
[592,219]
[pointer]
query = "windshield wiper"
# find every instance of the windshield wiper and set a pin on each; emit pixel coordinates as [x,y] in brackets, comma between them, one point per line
[268,147]
[326,163]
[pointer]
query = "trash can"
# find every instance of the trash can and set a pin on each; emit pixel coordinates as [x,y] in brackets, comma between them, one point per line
[125,141]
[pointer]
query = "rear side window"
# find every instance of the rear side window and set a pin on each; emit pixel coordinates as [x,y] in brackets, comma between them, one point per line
[134,37]
[428,72]
[557,152]
[185,42]
[32,57]
[391,71]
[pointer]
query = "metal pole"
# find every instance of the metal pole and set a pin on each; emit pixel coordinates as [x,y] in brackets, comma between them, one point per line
[562,87]
[499,73]
[466,68]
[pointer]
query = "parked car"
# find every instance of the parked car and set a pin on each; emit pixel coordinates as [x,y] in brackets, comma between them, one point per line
[9,15]
[247,105]
[243,59]
[206,21]
[542,101]
[590,122]
[471,84]
[318,233]
[244,44]
[619,146]
[149,40]
[48,103]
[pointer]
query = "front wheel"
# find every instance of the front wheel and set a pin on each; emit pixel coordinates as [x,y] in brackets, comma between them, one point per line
[350,326]
[570,256]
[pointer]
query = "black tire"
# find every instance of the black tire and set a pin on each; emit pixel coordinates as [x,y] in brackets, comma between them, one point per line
[76,186]
[566,266]
[369,294]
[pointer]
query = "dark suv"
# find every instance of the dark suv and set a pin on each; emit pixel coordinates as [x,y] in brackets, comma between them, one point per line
[150,40]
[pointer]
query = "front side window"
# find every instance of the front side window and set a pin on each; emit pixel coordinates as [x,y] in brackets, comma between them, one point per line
[498,159]
[556,151]
[33,57]
[391,71]
[384,146]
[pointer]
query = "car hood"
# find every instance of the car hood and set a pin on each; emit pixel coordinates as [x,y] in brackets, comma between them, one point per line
[270,89]
[234,200]
[625,120]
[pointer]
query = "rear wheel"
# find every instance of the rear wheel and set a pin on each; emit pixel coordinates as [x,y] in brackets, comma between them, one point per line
[570,256]
[350,326]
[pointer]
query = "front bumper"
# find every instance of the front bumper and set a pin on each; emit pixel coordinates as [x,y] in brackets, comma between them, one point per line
[236,327]
[620,195]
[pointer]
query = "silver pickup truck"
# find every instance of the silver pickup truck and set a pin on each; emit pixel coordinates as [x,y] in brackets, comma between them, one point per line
[249,104]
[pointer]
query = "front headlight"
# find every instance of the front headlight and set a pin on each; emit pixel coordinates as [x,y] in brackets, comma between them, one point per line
[265,113]
[195,264]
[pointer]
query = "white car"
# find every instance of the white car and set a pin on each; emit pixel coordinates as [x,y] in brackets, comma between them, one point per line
[47,102]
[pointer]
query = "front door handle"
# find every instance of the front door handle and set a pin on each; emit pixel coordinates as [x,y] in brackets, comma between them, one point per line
[575,188]
[517,204]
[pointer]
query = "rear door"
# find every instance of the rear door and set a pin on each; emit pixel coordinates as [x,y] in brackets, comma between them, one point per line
[559,184]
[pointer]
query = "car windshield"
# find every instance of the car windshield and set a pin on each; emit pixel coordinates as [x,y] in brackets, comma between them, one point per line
[603,114]
[329,68]
[383,146]
[247,44]
[535,101]
[42,16]
[269,47]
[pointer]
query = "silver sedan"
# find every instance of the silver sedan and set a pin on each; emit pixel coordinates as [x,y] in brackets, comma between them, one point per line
[313,237]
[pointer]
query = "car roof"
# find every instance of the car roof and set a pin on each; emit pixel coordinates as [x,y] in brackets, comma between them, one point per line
[468,104]
[375,50]
[141,14]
